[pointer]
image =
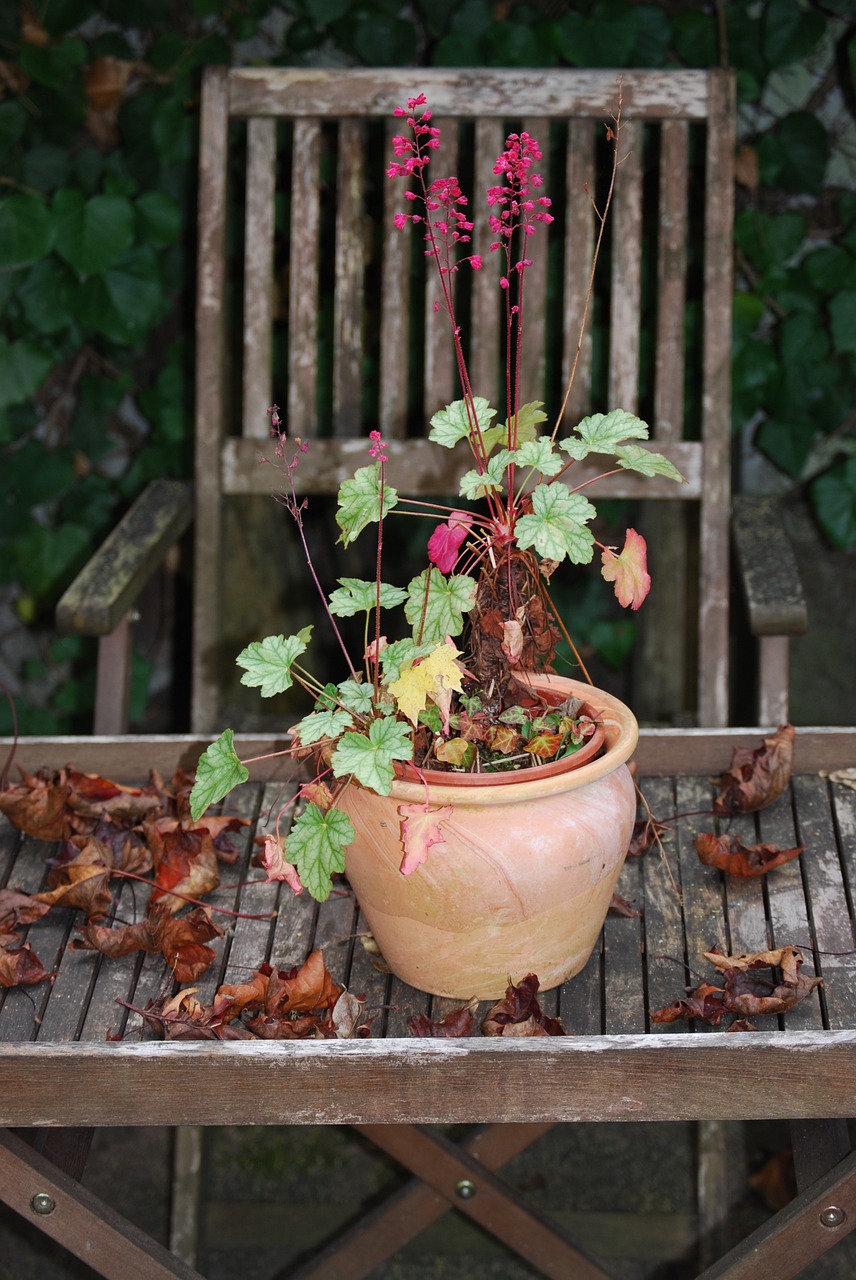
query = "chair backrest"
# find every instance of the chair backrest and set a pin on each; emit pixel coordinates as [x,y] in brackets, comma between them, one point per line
[316,291]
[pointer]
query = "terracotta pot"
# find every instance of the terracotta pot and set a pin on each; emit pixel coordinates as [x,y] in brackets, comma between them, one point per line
[524,878]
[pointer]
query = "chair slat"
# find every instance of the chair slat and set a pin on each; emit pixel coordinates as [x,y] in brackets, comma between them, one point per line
[258,275]
[533,371]
[395,310]
[350,265]
[671,281]
[626,286]
[303,279]
[484,347]
[579,247]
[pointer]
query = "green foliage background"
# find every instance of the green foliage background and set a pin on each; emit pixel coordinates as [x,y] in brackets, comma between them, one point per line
[98,126]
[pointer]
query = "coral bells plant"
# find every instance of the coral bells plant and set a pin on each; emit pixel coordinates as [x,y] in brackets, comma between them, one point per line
[447,690]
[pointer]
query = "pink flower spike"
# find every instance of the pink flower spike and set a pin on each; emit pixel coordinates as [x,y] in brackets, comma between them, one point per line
[445,542]
[503,284]
[377,447]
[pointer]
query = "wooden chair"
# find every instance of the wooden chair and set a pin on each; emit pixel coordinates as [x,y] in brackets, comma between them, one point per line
[317,308]
[306,296]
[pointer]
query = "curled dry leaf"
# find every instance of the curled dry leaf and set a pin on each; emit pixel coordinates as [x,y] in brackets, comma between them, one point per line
[457,1023]
[619,906]
[181,941]
[646,832]
[745,993]
[185,862]
[20,966]
[37,805]
[729,854]
[519,1013]
[19,908]
[756,777]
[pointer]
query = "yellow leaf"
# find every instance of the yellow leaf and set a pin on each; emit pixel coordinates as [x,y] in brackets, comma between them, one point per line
[435,677]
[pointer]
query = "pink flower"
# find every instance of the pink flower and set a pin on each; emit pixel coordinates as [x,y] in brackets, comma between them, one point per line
[377,447]
[445,542]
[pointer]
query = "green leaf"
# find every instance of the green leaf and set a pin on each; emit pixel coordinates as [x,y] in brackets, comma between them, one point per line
[52,64]
[830,269]
[13,122]
[604,38]
[359,502]
[267,663]
[316,846]
[125,300]
[842,314]
[540,455]
[158,219]
[787,444]
[46,558]
[46,167]
[528,418]
[602,432]
[634,458]
[557,526]
[834,498]
[452,424]
[23,368]
[448,600]
[356,595]
[219,770]
[92,235]
[330,723]
[356,695]
[394,656]
[475,484]
[369,756]
[796,154]
[768,239]
[26,230]
[44,293]
[384,41]
[789,32]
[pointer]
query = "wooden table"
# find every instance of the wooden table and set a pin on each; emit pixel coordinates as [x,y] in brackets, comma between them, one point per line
[59,1069]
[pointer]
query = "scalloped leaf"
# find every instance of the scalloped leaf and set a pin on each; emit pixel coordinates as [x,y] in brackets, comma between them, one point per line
[267,663]
[452,424]
[369,756]
[475,484]
[359,502]
[558,525]
[603,432]
[219,770]
[318,725]
[634,458]
[448,600]
[540,455]
[316,846]
[356,595]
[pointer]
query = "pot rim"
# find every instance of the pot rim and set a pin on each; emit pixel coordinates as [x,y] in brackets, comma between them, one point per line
[621,733]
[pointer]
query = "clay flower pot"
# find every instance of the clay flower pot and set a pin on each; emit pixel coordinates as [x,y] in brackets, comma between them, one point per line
[525,875]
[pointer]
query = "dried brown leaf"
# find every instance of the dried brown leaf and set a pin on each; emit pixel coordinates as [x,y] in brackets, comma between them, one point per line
[756,777]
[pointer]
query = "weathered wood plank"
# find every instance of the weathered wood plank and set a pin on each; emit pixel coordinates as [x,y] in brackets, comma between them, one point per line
[259,276]
[303,284]
[484,356]
[664,929]
[349,281]
[626,295]
[577,323]
[442,384]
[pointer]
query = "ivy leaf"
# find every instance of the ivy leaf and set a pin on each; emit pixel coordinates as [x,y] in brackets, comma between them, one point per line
[395,655]
[316,846]
[329,723]
[602,432]
[452,424]
[629,570]
[557,526]
[540,455]
[475,484]
[356,595]
[267,663]
[448,600]
[219,770]
[23,367]
[359,502]
[92,235]
[369,756]
[26,230]
[634,458]
[834,497]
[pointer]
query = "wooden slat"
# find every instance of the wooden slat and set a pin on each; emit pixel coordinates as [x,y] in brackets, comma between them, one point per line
[716,406]
[625,320]
[259,276]
[483,91]
[303,291]
[534,348]
[664,927]
[421,467]
[623,959]
[671,281]
[395,308]
[349,284]
[210,389]
[579,248]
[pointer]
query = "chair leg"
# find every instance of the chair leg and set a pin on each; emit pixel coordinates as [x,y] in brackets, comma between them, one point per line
[113,680]
[186,1185]
[66,1212]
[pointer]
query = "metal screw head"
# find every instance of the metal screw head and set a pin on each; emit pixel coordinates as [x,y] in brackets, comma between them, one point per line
[832,1216]
[465,1189]
[43,1203]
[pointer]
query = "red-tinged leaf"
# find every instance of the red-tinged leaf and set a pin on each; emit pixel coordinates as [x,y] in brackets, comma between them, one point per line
[544,745]
[756,777]
[445,542]
[729,854]
[91,796]
[502,738]
[317,793]
[185,863]
[704,1002]
[749,994]
[83,885]
[37,805]
[277,867]
[519,1013]
[20,966]
[512,641]
[456,752]
[19,908]
[629,570]
[181,941]
[304,988]
[421,830]
[646,832]
[246,995]
[457,1023]
[741,1024]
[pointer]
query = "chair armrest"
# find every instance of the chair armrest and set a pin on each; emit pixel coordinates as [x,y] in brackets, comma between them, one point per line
[108,584]
[767,568]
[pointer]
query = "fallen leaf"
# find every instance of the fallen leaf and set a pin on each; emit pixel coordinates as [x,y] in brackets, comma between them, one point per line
[619,906]
[276,865]
[185,862]
[646,832]
[704,1001]
[181,940]
[729,854]
[756,777]
[37,805]
[519,1013]
[20,966]
[457,1023]
[19,908]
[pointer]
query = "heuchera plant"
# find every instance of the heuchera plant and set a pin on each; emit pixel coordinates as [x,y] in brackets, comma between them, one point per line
[420,698]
